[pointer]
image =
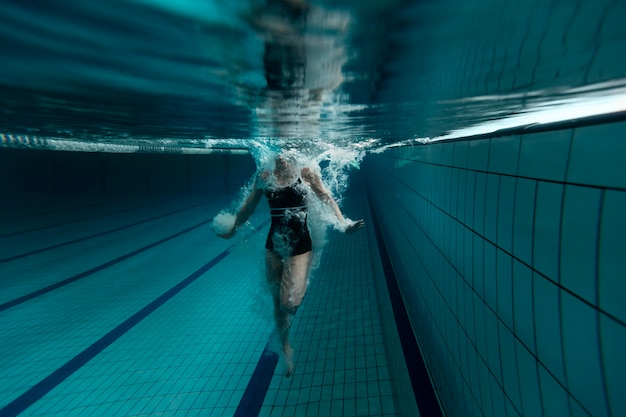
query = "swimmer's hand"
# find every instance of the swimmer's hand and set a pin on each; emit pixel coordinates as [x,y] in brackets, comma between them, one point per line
[354,226]
[229,234]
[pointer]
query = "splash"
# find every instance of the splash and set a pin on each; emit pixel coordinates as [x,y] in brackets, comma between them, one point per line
[223,222]
[332,163]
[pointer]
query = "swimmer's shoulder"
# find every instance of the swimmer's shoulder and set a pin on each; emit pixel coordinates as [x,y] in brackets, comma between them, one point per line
[308,175]
[262,179]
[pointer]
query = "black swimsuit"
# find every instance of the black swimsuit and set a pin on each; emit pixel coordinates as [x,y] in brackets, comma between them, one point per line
[288,235]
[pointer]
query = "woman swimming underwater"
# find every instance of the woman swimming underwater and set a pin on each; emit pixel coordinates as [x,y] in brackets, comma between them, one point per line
[288,248]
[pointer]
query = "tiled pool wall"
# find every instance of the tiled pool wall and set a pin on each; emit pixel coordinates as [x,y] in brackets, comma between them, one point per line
[510,256]
[29,171]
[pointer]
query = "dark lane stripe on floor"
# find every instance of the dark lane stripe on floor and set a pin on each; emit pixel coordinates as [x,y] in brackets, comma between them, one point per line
[47,384]
[117,229]
[425,396]
[92,271]
[254,395]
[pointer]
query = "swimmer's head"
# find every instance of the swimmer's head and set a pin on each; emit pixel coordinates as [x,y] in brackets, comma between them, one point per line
[285,163]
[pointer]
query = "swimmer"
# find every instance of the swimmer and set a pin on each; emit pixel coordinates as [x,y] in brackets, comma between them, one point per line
[288,248]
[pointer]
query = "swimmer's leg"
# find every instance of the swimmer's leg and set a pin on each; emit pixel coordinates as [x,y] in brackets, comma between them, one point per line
[295,278]
[288,280]
[274,271]
[294,281]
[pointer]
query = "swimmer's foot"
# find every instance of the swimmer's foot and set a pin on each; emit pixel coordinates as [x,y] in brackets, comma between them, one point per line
[289,366]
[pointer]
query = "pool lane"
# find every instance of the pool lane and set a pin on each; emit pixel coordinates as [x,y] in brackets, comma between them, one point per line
[89,249]
[43,387]
[182,328]
[22,356]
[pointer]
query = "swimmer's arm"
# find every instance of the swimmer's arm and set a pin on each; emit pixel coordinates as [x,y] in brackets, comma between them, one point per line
[245,211]
[249,206]
[323,194]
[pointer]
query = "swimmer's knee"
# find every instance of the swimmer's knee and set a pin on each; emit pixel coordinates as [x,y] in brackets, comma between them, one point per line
[290,307]
[291,303]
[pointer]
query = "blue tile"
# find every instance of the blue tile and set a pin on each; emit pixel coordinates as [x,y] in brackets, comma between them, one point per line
[433,153]
[528,382]
[546,229]
[475,410]
[465,347]
[474,376]
[479,202]
[454,192]
[459,260]
[436,187]
[478,279]
[597,156]
[548,326]
[462,191]
[511,410]
[374,405]
[461,290]
[446,178]
[509,366]
[492,191]
[523,221]
[493,341]
[503,155]
[613,343]
[470,183]
[416,153]
[472,366]
[447,153]
[553,396]
[490,276]
[479,324]
[446,247]
[581,354]
[612,255]
[504,283]
[388,405]
[478,155]
[485,389]
[461,150]
[523,314]
[581,212]
[506,206]
[497,399]
[544,155]
[576,410]
[468,242]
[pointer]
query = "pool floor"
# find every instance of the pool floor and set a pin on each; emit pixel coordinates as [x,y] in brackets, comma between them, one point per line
[131,306]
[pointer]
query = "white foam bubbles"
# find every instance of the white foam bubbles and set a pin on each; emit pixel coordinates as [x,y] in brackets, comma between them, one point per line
[223,223]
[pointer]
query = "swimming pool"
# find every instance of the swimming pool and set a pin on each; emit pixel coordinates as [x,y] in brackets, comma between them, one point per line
[130,305]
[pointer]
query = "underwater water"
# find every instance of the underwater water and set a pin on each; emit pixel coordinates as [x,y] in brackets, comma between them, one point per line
[481,141]
[157,76]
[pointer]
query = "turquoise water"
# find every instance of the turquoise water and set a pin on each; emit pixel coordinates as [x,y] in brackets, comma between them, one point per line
[160,76]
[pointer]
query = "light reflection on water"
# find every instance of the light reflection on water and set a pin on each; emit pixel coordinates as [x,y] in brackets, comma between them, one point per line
[180,76]
[565,105]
